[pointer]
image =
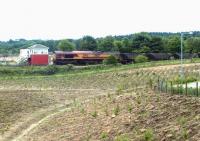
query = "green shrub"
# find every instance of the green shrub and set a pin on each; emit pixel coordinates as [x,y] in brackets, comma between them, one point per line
[111,60]
[148,135]
[52,69]
[104,136]
[6,72]
[141,59]
[187,79]
[69,67]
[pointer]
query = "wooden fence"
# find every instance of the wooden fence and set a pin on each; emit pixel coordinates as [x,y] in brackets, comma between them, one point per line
[166,86]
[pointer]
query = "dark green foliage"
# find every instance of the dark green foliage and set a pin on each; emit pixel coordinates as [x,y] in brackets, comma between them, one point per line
[88,43]
[65,45]
[192,45]
[106,44]
[51,70]
[173,44]
[111,60]
[141,59]
[138,43]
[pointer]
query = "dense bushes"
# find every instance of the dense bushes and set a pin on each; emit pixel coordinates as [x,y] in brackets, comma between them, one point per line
[111,60]
[141,59]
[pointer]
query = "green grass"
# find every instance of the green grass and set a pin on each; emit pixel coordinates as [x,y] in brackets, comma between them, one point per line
[187,79]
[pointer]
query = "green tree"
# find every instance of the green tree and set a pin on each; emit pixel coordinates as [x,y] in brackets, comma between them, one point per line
[145,49]
[156,44]
[192,45]
[106,44]
[88,43]
[125,47]
[172,44]
[65,45]
[139,41]
[118,44]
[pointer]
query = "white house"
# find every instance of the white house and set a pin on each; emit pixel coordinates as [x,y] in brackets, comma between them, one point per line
[35,49]
[25,54]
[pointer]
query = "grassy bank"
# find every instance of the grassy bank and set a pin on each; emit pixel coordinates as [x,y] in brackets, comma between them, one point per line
[21,71]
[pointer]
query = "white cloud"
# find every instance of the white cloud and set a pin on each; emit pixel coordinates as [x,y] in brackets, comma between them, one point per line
[54,19]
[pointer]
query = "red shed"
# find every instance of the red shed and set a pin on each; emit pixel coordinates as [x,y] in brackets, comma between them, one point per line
[39,59]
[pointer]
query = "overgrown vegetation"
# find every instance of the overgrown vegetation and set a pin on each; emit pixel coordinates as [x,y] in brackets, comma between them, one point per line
[111,60]
[184,79]
[141,59]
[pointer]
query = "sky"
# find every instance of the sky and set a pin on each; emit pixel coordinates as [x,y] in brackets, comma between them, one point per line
[60,19]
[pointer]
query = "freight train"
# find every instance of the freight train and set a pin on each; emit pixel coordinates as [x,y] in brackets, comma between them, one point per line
[96,57]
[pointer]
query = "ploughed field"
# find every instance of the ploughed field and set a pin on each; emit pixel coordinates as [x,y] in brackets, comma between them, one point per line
[114,105]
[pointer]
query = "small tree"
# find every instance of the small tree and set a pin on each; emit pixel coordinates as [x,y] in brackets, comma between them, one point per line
[111,60]
[88,43]
[141,59]
[65,45]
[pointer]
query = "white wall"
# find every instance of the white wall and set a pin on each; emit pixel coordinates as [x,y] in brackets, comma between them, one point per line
[26,53]
[38,51]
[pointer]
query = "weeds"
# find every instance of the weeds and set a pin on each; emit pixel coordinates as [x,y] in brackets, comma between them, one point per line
[82,110]
[104,136]
[148,135]
[122,138]
[181,121]
[129,108]
[116,110]
[94,114]
[184,134]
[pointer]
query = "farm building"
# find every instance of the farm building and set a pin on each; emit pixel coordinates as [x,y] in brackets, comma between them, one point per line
[35,55]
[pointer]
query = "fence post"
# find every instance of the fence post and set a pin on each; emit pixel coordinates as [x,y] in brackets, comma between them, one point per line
[161,87]
[171,87]
[178,88]
[158,84]
[197,88]
[186,89]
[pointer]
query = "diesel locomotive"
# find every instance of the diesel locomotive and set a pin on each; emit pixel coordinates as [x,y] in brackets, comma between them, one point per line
[96,57]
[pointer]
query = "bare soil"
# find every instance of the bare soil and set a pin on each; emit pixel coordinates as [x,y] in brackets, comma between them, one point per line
[116,105]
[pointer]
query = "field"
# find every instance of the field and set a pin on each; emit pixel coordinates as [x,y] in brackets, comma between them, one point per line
[106,103]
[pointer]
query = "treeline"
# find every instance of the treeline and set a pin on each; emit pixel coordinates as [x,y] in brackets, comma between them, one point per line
[140,43]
